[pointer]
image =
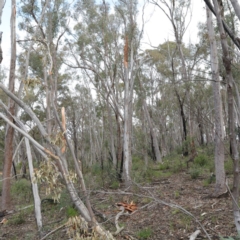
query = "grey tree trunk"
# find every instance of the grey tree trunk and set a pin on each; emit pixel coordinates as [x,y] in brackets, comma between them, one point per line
[231,117]
[153,134]
[236,7]
[126,135]
[9,133]
[220,186]
[111,132]
[61,163]
[37,200]
[2,3]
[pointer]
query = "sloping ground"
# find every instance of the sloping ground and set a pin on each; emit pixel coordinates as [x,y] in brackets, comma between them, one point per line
[152,220]
[158,221]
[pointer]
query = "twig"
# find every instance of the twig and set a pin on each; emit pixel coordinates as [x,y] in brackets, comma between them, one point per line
[231,194]
[53,231]
[172,205]
[9,177]
[162,202]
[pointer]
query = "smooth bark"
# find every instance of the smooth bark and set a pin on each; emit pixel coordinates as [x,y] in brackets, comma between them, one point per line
[220,186]
[231,117]
[236,7]
[9,133]
[126,135]
[37,200]
[2,3]
[225,26]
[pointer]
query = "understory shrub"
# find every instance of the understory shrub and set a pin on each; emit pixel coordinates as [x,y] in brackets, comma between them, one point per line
[194,172]
[201,160]
[144,233]
[21,189]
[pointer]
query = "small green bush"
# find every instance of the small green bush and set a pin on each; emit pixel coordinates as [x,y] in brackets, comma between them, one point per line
[164,166]
[114,185]
[176,194]
[96,169]
[201,160]
[137,163]
[206,182]
[71,212]
[194,172]
[230,238]
[228,165]
[144,233]
[22,190]
[17,219]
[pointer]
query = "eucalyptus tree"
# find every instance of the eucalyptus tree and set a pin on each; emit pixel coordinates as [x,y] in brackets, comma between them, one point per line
[9,131]
[231,116]
[236,7]
[220,187]
[98,42]
[54,149]
[44,58]
[169,84]
[2,3]
[101,36]
[179,15]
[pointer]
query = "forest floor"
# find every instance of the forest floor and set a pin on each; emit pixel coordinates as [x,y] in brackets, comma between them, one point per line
[158,215]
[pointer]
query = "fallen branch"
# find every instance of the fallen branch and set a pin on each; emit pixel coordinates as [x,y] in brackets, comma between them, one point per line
[119,229]
[53,231]
[194,235]
[161,202]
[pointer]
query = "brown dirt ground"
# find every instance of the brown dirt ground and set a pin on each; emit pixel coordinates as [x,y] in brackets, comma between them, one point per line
[163,222]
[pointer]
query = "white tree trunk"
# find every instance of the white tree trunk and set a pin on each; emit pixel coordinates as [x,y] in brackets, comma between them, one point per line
[220,187]
[126,134]
[37,200]
[9,132]
[236,7]
[231,117]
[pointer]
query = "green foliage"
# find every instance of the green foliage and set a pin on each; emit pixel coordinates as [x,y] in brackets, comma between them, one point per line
[228,165]
[211,179]
[176,194]
[194,172]
[137,163]
[144,233]
[164,166]
[206,182]
[114,185]
[21,190]
[50,176]
[72,212]
[65,199]
[96,169]
[231,238]
[17,219]
[201,160]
